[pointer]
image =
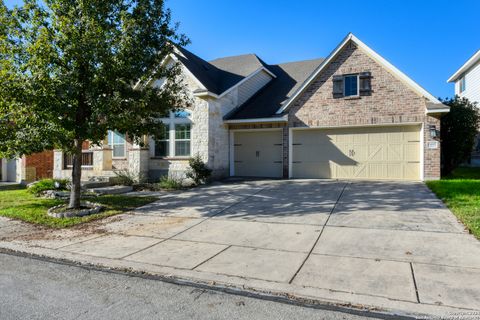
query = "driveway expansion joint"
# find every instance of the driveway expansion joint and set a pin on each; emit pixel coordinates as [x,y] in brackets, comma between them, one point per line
[414,283]
[320,234]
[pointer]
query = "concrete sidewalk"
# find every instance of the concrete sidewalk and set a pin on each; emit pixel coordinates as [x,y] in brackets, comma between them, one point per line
[387,246]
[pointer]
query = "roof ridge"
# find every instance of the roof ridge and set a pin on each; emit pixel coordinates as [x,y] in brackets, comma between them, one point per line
[235,56]
[297,61]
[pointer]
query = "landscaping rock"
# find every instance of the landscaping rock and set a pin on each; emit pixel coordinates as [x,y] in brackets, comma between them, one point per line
[54,194]
[111,190]
[89,208]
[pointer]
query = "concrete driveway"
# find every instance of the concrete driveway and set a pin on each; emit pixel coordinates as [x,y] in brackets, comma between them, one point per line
[389,245]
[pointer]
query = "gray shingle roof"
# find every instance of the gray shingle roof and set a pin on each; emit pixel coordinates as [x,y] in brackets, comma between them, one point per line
[220,74]
[266,102]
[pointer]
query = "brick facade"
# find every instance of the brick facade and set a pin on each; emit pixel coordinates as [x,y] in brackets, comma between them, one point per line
[37,166]
[390,102]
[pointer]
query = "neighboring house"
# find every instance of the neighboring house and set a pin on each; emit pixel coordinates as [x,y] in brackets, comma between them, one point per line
[27,168]
[351,116]
[467,84]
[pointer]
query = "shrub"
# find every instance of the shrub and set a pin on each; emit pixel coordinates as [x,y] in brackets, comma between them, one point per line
[458,130]
[126,178]
[198,171]
[48,184]
[169,183]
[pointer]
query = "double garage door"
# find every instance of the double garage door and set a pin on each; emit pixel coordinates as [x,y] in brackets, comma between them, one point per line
[391,153]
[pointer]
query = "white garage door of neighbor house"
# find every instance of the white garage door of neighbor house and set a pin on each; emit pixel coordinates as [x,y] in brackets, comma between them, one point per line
[391,153]
[258,154]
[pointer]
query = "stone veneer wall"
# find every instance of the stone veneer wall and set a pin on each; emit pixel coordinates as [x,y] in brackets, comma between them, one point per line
[391,102]
[175,167]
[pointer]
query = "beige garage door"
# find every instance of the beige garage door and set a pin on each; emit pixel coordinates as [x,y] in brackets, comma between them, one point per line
[391,153]
[258,154]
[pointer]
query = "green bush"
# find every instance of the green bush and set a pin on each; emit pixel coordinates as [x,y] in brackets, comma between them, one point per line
[169,183]
[198,171]
[126,178]
[48,184]
[458,130]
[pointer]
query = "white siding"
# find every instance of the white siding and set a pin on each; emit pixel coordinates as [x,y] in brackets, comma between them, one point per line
[472,84]
[252,85]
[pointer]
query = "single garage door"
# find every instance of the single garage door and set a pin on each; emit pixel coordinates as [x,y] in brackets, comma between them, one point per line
[391,153]
[258,154]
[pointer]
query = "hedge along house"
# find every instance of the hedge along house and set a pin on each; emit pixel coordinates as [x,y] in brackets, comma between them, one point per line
[350,116]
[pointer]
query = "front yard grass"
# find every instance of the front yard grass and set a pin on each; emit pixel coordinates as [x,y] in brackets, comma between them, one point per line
[461,193]
[16,202]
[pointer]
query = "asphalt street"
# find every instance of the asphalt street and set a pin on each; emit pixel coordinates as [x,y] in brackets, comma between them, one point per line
[37,289]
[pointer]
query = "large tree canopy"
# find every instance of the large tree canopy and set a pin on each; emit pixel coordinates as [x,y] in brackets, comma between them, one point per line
[70,71]
[458,130]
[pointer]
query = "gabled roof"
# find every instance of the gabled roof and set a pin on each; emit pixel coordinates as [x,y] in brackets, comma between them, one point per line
[470,63]
[219,75]
[235,68]
[264,104]
[375,56]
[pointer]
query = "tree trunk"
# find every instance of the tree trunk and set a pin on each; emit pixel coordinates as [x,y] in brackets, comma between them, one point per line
[76,176]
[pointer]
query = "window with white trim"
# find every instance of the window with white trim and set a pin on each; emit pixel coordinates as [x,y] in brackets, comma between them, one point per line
[463,84]
[162,144]
[175,136]
[117,142]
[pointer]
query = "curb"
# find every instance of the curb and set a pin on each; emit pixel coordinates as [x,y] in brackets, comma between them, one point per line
[285,298]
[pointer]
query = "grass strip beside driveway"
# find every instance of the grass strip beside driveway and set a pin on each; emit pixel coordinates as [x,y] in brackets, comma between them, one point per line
[461,193]
[17,203]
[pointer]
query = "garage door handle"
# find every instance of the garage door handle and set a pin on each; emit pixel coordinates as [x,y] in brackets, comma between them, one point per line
[277,144]
[296,144]
[277,161]
[237,145]
[413,161]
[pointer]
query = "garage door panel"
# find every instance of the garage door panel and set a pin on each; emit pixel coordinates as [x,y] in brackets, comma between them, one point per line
[412,152]
[412,170]
[258,154]
[318,170]
[358,153]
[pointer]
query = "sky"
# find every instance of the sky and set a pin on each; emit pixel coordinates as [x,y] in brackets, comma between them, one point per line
[428,40]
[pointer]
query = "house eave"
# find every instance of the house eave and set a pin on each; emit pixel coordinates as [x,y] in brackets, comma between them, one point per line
[465,67]
[350,37]
[258,120]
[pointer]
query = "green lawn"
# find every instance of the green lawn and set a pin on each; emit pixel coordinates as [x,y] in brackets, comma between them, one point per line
[17,203]
[461,193]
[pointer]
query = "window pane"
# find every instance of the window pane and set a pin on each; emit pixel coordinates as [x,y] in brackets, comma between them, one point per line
[164,132]
[182,148]
[118,138]
[351,86]
[182,131]
[161,148]
[118,150]
[182,114]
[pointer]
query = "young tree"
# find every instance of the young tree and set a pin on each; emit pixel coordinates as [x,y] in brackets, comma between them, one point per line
[458,130]
[70,71]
